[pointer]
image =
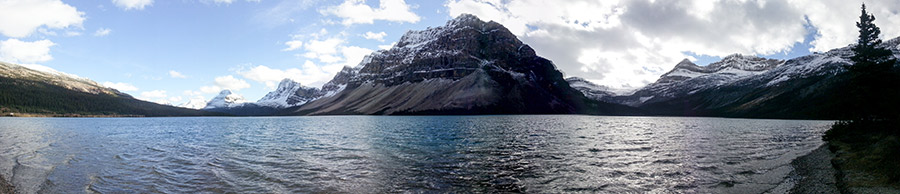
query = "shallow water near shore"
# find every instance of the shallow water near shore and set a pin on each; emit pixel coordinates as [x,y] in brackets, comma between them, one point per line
[378,154]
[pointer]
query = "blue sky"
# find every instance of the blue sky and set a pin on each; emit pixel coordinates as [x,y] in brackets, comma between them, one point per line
[173,51]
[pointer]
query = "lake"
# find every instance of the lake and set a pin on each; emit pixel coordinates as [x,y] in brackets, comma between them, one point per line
[383,154]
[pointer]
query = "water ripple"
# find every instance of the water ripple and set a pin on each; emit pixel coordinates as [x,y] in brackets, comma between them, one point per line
[363,154]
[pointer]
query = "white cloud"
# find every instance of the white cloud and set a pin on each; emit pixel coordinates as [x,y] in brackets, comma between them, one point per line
[132,4]
[375,36]
[157,96]
[324,47]
[231,83]
[175,74]
[125,87]
[326,56]
[210,89]
[323,50]
[192,93]
[154,94]
[353,55]
[72,33]
[20,18]
[17,51]
[102,32]
[357,12]
[292,45]
[270,77]
[835,20]
[629,43]
[175,98]
[387,46]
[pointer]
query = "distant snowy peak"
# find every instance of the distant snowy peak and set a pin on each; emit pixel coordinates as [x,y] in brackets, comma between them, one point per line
[288,94]
[745,63]
[589,89]
[194,104]
[225,99]
[733,66]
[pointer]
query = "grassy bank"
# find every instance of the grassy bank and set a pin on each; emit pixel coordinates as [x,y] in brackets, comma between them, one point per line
[867,156]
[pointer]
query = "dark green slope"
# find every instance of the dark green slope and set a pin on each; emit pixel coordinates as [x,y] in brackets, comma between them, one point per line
[35,97]
[819,97]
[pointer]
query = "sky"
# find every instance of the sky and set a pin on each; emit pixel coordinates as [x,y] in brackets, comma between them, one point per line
[171,51]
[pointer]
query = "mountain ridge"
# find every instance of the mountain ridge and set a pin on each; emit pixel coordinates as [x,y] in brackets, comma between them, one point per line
[50,93]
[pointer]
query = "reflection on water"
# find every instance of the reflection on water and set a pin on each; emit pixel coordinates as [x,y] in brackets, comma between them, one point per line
[375,154]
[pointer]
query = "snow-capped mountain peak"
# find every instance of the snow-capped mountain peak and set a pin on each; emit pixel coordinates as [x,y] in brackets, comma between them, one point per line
[289,93]
[225,99]
[194,103]
[589,89]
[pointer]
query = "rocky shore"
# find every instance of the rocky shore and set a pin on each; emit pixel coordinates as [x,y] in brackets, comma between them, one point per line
[5,187]
[815,172]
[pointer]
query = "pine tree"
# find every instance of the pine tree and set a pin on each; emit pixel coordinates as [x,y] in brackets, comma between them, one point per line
[868,53]
[871,74]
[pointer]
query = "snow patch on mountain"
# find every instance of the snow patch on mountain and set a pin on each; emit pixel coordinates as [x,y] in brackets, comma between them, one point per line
[226,99]
[589,89]
[286,95]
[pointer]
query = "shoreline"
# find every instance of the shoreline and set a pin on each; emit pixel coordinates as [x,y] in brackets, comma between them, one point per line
[815,172]
[5,187]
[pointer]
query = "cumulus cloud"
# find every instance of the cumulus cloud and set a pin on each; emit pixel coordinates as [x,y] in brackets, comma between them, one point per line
[629,43]
[231,83]
[175,74]
[192,93]
[132,4]
[375,36]
[125,87]
[292,45]
[22,18]
[210,89]
[387,46]
[102,32]
[326,55]
[157,96]
[323,50]
[835,20]
[270,77]
[357,12]
[17,51]
[154,94]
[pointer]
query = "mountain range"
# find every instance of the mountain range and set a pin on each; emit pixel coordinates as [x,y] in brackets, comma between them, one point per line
[469,66]
[807,87]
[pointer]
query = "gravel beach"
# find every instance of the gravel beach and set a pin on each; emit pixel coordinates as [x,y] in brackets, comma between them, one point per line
[816,173]
[5,187]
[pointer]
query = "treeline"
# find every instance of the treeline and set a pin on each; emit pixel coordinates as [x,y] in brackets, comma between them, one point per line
[26,96]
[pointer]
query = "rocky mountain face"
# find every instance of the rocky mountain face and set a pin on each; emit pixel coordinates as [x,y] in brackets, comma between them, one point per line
[467,66]
[687,78]
[40,90]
